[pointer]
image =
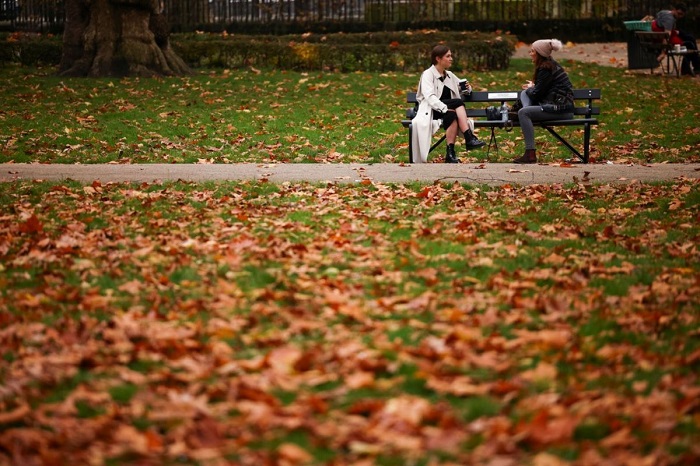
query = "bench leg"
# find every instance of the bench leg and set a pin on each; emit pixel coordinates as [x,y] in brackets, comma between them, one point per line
[566,143]
[586,142]
[432,148]
[493,141]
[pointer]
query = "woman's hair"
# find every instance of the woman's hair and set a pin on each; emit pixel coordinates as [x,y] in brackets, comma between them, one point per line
[542,62]
[439,51]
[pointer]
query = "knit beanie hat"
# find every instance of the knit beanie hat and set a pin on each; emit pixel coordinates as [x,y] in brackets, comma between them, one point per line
[546,46]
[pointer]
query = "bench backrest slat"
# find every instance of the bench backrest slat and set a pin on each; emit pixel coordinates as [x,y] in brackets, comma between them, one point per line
[587,94]
[497,96]
[583,99]
[578,111]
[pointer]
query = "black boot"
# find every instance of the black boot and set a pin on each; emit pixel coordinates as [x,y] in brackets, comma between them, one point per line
[450,156]
[471,141]
[528,157]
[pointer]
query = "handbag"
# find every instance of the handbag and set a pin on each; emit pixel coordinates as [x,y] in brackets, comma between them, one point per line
[500,114]
[493,113]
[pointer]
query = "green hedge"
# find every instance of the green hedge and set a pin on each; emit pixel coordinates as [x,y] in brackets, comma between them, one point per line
[30,49]
[374,52]
[385,51]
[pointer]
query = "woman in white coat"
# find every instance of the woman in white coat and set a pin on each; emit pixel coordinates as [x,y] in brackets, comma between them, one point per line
[440,104]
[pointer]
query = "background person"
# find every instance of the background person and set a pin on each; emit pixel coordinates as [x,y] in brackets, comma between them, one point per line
[440,103]
[665,21]
[549,96]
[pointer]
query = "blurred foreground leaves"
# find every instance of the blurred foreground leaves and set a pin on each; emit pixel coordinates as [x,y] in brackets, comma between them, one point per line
[252,323]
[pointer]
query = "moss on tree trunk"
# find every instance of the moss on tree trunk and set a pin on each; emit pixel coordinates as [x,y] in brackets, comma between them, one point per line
[117,38]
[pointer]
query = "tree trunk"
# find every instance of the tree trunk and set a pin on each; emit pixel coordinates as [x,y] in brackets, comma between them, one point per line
[117,38]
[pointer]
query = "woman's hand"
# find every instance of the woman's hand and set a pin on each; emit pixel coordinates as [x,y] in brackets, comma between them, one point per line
[528,85]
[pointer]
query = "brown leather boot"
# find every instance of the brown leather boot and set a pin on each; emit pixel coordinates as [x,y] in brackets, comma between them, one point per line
[528,157]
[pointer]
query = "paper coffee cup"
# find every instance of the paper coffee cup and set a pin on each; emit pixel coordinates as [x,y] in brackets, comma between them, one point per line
[463,83]
[677,47]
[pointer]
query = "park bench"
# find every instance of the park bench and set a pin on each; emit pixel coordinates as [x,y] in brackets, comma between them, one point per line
[657,44]
[584,112]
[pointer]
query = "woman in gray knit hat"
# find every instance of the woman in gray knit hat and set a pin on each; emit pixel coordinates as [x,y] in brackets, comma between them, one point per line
[549,96]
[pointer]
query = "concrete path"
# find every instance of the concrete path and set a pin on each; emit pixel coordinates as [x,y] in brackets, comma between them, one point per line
[474,173]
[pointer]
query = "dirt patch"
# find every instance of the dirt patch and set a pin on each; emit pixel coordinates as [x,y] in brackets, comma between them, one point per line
[604,54]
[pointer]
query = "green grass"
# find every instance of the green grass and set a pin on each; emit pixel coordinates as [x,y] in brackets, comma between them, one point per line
[221,116]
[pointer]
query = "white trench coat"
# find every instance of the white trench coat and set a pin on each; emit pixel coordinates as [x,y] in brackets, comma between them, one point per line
[424,126]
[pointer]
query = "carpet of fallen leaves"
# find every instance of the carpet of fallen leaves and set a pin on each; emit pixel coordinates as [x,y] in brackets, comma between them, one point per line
[255,324]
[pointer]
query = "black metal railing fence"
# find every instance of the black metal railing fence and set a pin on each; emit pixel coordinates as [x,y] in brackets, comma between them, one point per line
[184,15]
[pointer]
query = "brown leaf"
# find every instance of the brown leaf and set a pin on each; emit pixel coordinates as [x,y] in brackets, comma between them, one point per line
[459,386]
[31,225]
[293,454]
[619,439]
[15,415]
[544,429]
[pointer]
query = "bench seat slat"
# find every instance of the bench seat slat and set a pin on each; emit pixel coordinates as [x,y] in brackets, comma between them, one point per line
[578,111]
[574,122]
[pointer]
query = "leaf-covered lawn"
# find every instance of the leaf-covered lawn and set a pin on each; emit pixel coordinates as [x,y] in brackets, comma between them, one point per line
[252,323]
[229,116]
